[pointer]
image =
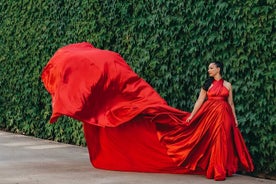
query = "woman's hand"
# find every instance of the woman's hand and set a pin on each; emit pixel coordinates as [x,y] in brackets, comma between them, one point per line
[189,119]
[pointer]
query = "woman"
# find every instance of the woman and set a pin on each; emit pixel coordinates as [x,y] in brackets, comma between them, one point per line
[129,127]
[218,110]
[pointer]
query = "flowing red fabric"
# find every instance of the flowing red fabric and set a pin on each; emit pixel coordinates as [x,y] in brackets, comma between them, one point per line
[129,127]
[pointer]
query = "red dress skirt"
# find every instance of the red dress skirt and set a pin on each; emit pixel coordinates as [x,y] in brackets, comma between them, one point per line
[129,127]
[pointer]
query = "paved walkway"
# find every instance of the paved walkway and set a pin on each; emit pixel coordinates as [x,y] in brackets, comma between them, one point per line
[28,160]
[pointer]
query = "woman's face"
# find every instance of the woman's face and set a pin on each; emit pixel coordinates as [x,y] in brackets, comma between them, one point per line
[213,69]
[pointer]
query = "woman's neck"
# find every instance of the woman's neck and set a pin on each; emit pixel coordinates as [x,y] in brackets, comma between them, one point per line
[217,77]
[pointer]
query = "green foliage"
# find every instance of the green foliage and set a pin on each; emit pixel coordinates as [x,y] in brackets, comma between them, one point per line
[168,43]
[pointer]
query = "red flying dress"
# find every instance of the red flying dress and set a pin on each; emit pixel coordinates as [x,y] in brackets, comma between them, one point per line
[129,127]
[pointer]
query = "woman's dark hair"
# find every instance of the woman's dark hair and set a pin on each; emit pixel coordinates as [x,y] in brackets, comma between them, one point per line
[209,81]
[219,65]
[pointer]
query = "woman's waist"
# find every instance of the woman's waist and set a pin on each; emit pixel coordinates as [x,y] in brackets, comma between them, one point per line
[217,98]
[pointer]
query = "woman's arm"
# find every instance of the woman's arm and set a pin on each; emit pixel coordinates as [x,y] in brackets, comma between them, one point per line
[231,102]
[199,102]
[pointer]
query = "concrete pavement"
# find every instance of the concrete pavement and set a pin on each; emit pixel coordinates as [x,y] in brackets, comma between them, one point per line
[28,160]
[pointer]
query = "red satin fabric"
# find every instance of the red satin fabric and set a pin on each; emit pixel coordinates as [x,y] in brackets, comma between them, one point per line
[211,143]
[129,127]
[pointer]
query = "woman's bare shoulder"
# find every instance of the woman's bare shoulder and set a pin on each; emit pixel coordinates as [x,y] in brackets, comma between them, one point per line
[227,84]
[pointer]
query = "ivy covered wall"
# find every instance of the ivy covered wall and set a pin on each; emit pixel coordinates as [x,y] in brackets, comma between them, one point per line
[167,42]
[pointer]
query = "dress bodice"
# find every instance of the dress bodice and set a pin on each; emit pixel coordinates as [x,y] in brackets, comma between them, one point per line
[218,90]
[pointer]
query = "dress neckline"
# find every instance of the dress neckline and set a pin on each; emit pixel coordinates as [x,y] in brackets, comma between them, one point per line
[220,81]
